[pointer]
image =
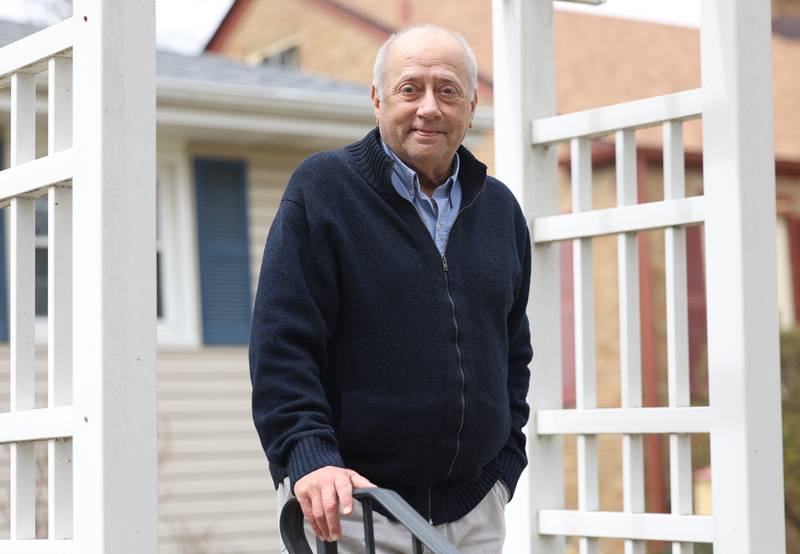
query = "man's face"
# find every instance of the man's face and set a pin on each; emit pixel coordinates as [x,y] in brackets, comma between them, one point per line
[426,106]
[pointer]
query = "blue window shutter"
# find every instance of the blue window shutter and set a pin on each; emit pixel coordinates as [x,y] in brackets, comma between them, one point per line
[224,250]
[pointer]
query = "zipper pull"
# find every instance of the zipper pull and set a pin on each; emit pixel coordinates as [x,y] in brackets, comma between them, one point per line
[444,263]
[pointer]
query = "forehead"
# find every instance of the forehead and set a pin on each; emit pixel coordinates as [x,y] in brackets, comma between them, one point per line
[423,49]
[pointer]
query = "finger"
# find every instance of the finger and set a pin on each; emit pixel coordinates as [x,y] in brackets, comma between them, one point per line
[317,531]
[344,490]
[331,506]
[318,513]
[305,506]
[359,481]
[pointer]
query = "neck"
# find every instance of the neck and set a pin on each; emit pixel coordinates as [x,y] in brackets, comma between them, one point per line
[431,177]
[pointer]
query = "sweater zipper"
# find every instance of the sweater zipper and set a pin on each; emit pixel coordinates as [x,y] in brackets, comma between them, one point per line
[460,366]
[446,270]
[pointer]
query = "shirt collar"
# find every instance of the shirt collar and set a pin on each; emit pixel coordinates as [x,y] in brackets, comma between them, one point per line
[410,180]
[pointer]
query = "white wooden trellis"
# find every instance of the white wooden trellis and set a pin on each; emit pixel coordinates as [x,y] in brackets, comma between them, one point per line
[738,214]
[99,177]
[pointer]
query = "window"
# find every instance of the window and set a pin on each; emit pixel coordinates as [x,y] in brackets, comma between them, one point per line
[41,265]
[41,256]
[289,57]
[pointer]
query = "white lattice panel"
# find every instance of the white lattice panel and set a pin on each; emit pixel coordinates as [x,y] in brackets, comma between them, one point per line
[98,446]
[27,178]
[739,191]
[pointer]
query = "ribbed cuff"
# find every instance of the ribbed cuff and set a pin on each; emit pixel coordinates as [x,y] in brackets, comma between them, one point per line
[311,453]
[509,467]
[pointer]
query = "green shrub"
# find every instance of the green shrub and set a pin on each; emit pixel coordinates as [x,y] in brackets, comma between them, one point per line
[790,389]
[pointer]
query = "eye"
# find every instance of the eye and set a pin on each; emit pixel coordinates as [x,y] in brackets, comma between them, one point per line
[408,89]
[448,90]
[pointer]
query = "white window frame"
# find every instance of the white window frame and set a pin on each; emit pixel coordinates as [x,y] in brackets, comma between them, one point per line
[180,325]
[785,278]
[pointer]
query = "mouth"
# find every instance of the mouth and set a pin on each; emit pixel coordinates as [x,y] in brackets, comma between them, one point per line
[426,132]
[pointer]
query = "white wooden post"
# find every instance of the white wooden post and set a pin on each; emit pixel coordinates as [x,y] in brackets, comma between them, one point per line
[524,78]
[585,367]
[630,333]
[114,277]
[678,382]
[59,300]
[739,180]
[22,315]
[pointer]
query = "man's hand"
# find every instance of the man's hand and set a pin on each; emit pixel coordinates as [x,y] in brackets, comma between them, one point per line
[322,492]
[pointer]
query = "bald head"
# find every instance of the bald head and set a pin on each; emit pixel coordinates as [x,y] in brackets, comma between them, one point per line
[417,35]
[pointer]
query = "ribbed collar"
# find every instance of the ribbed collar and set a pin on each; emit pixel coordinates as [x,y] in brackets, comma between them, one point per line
[375,165]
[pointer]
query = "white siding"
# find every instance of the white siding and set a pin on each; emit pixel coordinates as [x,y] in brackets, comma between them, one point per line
[264,189]
[215,493]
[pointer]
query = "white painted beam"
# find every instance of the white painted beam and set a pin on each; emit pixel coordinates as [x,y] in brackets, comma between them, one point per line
[59,355]
[622,420]
[30,54]
[59,104]
[608,119]
[36,425]
[677,304]
[37,547]
[616,525]
[629,332]
[585,369]
[22,308]
[33,176]
[23,363]
[59,300]
[609,221]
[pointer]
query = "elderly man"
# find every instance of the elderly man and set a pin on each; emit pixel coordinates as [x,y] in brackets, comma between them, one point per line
[390,344]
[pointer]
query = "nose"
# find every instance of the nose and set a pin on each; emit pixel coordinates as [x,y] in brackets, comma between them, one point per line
[429,106]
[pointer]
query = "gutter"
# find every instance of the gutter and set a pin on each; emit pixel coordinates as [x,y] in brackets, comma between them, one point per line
[348,107]
[265,111]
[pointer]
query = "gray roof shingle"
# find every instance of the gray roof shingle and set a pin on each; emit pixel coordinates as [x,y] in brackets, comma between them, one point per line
[210,68]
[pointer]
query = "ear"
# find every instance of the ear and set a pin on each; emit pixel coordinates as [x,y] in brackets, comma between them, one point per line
[472,107]
[376,103]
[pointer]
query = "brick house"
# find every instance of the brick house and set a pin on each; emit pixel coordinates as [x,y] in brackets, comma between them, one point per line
[599,61]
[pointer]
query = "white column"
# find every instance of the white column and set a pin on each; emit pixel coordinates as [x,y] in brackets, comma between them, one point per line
[739,180]
[22,308]
[630,332]
[524,88]
[585,370]
[59,301]
[114,277]
[680,445]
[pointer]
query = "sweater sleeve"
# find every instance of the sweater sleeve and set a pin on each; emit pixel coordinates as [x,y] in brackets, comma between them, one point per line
[293,317]
[512,458]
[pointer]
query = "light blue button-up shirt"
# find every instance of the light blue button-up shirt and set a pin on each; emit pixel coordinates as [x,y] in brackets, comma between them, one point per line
[437,212]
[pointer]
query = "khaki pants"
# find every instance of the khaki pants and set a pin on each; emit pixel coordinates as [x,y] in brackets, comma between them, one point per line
[481,531]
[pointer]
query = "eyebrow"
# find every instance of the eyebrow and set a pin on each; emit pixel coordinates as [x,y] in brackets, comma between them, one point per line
[416,76]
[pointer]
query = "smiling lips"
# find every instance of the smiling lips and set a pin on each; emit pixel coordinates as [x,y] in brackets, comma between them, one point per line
[426,132]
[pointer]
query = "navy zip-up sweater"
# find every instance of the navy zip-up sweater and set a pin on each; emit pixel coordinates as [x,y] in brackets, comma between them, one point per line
[349,368]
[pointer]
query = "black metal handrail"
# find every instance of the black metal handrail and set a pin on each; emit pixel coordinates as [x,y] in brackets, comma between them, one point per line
[422,533]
